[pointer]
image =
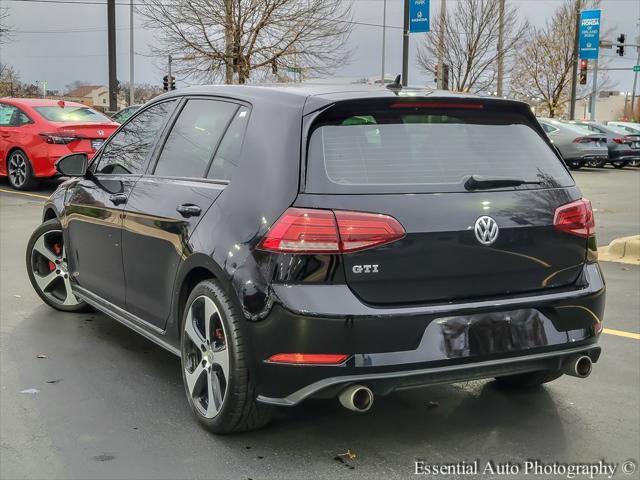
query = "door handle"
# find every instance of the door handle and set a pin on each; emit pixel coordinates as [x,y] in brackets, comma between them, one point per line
[118,198]
[188,210]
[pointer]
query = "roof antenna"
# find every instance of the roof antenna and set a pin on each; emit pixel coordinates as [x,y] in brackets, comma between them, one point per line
[396,85]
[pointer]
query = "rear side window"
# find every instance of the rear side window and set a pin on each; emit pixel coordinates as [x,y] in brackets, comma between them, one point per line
[194,138]
[401,147]
[228,153]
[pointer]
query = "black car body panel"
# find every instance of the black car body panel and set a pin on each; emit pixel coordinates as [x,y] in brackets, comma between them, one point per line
[441,300]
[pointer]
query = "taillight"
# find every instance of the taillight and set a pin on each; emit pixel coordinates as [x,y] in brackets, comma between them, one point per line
[307,230]
[575,218]
[58,138]
[620,140]
[583,139]
[308,358]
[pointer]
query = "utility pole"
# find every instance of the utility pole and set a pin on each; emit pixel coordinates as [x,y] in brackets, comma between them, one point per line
[500,48]
[405,45]
[169,60]
[111,39]
[594,91]
[443,21]
[384,33]
[131,54]
[576,47]
[635,81]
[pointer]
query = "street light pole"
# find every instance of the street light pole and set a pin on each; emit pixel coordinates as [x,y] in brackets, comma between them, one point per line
[576,46]
[131,54]
[443,21]
[500,49]
[594,91]
[405,45]
[384,33]
[635,81]
[111,40]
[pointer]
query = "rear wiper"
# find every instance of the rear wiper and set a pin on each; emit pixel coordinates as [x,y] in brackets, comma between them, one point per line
[478,182]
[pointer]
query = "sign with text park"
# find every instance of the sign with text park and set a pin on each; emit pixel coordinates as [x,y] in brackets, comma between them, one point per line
[418,16]
[589,34]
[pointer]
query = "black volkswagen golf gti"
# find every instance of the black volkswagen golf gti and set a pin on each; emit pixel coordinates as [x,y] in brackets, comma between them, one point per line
[297,242]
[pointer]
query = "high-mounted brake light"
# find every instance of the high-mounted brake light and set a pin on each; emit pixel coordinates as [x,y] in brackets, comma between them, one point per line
[308,358]
[575,218]
[307,230]
[460,105]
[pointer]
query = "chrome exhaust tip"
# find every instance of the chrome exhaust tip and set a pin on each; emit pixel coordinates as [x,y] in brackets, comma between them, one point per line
[578,366]
[357,398]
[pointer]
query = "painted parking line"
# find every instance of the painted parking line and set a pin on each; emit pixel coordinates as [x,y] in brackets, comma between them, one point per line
[621,333]
[26,194]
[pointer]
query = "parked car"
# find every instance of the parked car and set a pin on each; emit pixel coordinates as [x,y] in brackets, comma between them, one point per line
[366,241]
[35,133]
[123,115]
[624,147]
[578,148]
[627,127]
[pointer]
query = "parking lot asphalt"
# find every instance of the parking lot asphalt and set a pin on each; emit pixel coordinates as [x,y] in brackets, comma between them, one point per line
[109,404]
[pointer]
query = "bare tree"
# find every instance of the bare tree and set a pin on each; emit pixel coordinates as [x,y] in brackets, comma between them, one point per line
[10,85]
[471,43]
[5,30]
[236,40]
[544,65]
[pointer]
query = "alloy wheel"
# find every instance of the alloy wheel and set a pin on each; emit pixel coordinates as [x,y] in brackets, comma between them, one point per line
[206,364]
[17,169]
[50,270]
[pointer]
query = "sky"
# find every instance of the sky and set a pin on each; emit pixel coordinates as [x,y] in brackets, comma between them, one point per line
[60,42]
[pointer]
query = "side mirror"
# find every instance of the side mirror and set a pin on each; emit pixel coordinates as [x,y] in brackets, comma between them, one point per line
[73,165]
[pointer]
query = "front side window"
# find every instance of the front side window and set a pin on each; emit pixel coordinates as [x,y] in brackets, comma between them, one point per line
[194,138]
[71,114]
[127,150]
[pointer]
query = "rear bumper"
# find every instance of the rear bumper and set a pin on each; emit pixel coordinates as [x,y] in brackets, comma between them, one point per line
[393,348]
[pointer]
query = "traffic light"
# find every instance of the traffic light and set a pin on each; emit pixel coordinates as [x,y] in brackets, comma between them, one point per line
[583,72]
[435,73]
[166,85]
[620,47]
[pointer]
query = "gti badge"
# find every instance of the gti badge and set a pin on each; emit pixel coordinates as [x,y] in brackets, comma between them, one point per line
[365,269]
[486,230]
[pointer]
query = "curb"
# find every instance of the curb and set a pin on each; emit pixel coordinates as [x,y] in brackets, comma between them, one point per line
[622,250]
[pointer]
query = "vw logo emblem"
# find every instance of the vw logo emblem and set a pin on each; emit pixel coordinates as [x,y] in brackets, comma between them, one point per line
[101,133]
[486,230]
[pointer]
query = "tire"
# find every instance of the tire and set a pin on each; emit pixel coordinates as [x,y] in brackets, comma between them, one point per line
[47,268]
[595,163]
[19,171]
[574,165]
[619,163]
[529,379]
[634,163]
[215,365]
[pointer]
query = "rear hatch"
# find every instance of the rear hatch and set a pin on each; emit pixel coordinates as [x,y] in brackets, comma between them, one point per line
[412,159]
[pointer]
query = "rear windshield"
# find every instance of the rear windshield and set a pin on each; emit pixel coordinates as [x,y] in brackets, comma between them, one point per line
[425,147]
[71,114]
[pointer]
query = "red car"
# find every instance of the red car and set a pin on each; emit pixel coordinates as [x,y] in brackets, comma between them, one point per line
[35,133]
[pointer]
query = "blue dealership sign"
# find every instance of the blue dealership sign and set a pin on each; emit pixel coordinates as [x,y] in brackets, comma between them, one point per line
[418,16]
[589,34]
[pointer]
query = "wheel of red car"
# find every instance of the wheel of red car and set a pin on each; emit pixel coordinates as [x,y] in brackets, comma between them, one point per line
[215,363]
[19,171]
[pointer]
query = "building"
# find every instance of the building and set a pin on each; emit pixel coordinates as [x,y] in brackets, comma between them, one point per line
[96,96]
[610,106]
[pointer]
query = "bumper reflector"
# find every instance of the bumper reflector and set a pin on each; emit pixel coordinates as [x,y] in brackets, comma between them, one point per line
[308,358]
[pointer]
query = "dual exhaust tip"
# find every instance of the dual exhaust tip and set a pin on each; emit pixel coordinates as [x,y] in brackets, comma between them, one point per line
[578,366]
[356,398]
[359,398]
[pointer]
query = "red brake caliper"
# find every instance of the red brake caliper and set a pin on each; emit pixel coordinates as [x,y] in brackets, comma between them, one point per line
[57,249]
